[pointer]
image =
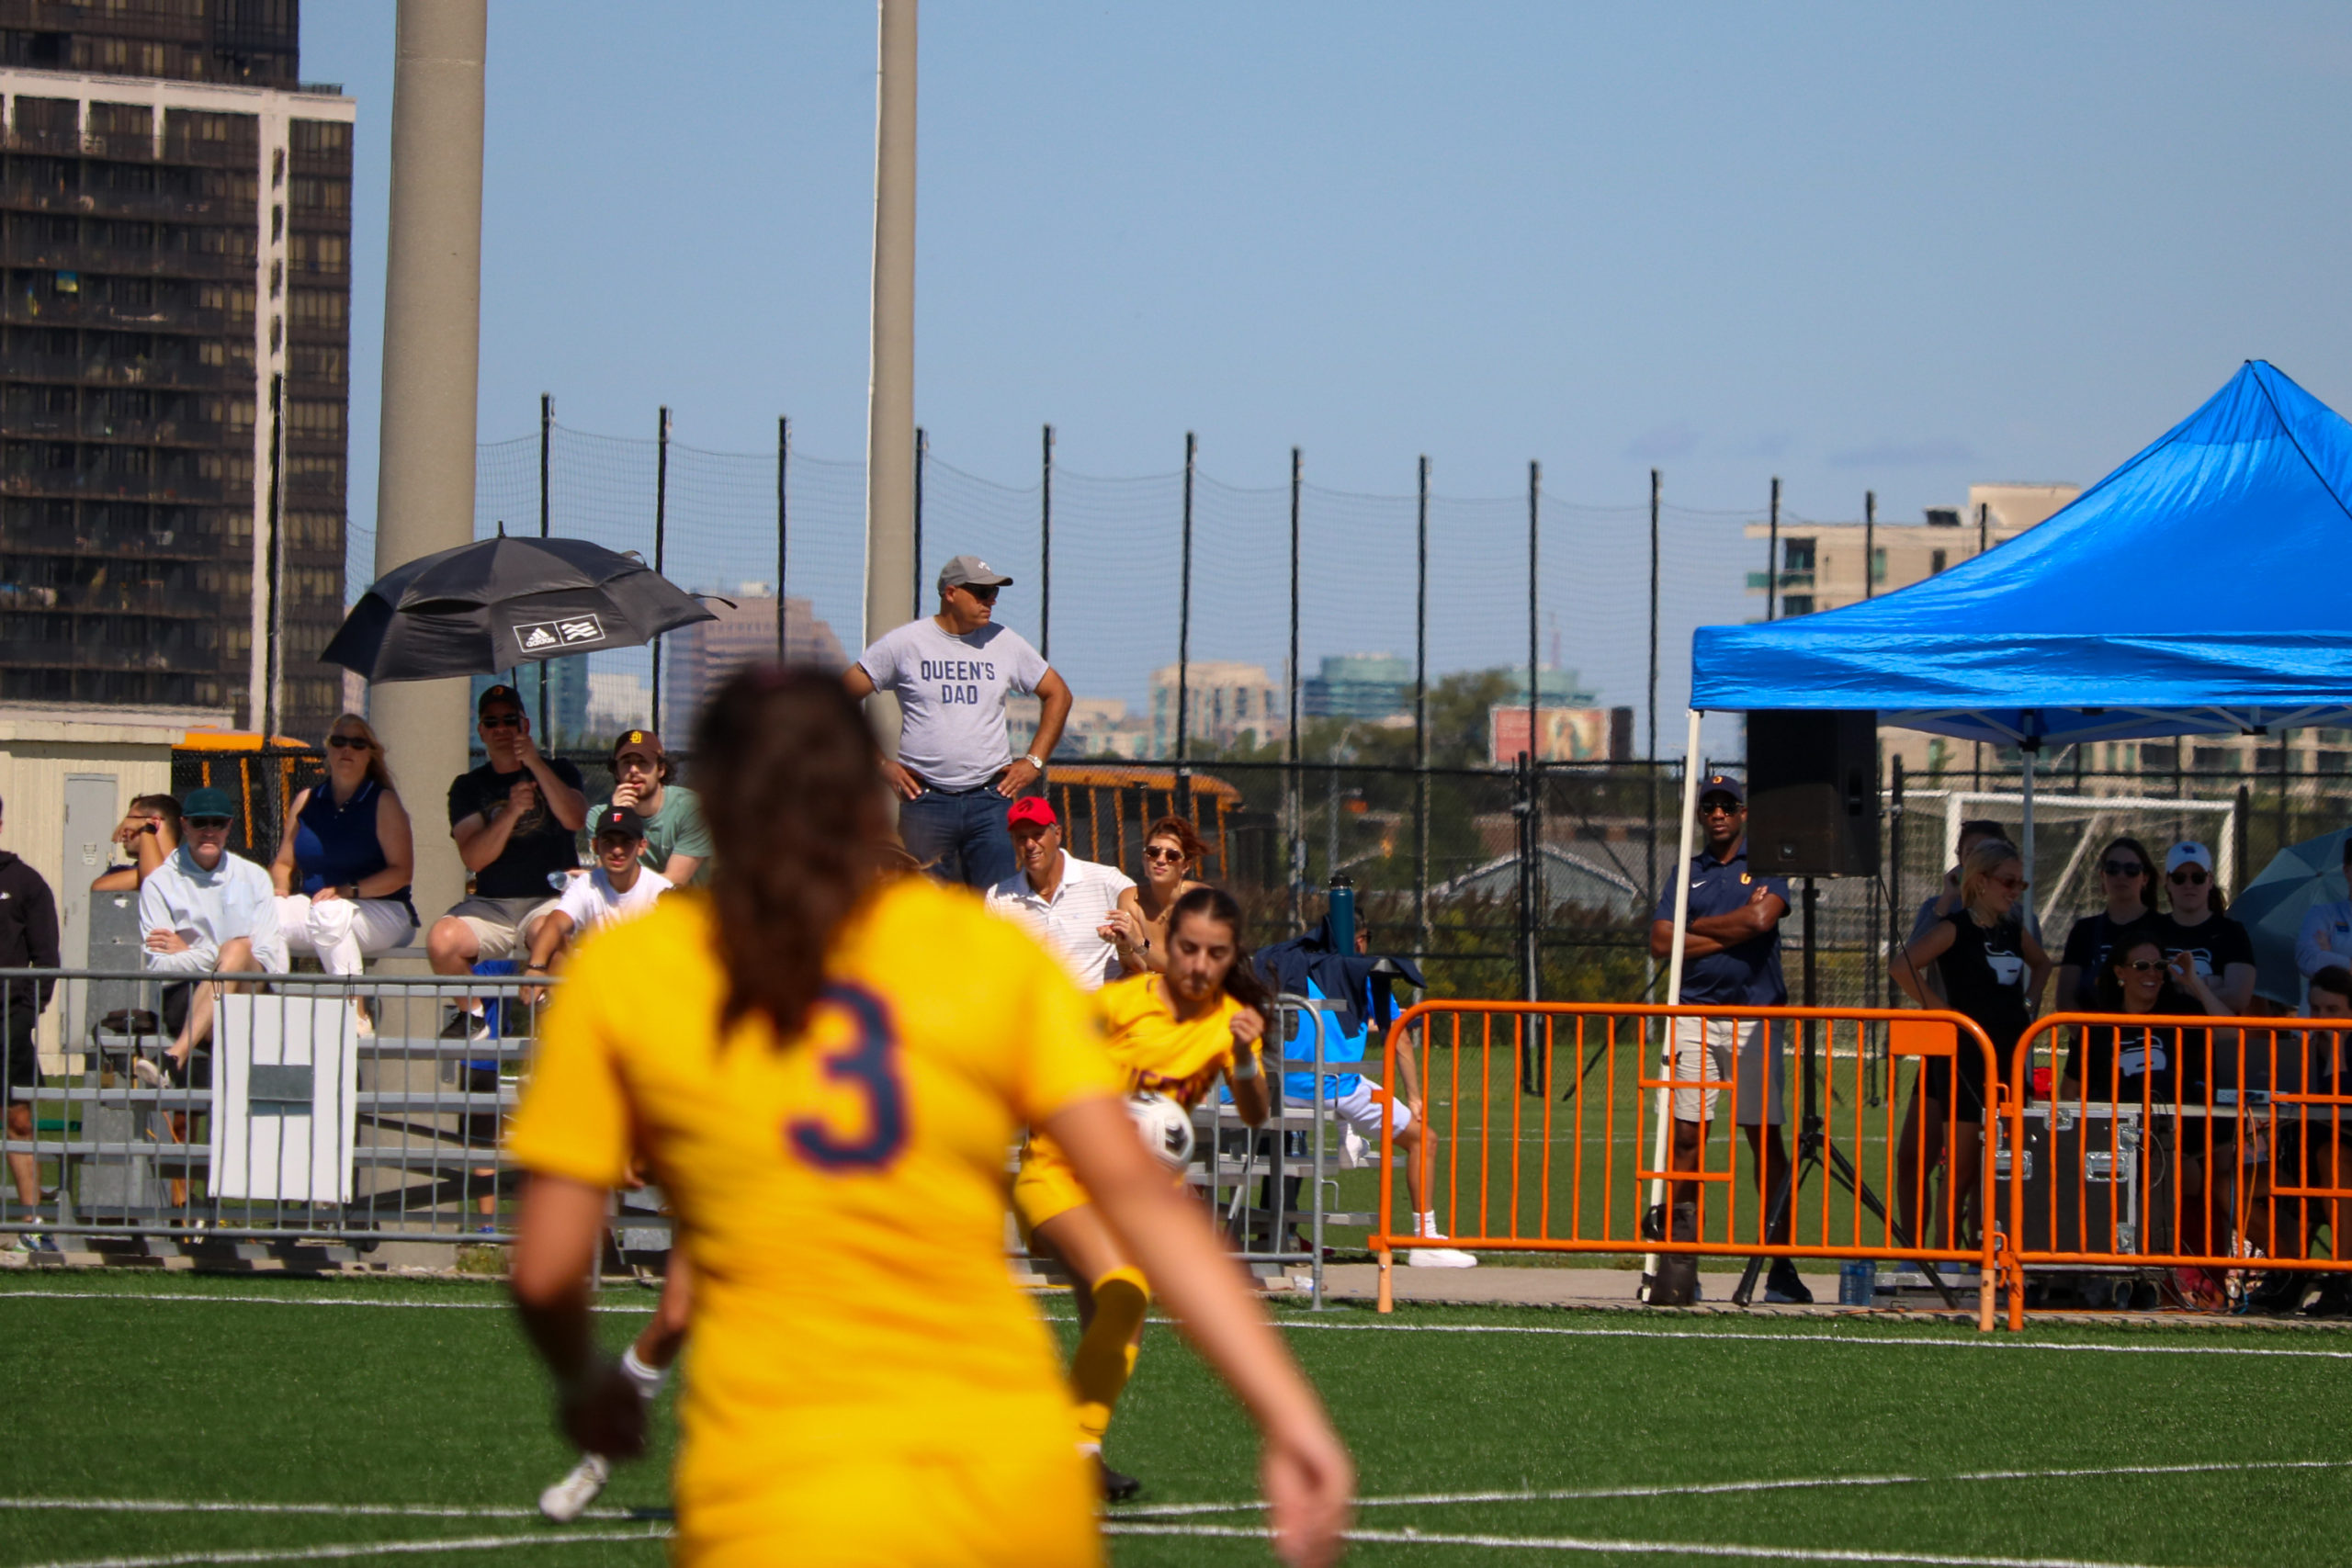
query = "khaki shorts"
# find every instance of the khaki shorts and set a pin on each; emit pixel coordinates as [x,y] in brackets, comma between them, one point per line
[501,927]
[1735,1052]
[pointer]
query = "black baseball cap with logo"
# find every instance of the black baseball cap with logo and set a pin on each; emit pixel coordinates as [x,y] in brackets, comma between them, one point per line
[619,820]
[1724,783]
[498,695]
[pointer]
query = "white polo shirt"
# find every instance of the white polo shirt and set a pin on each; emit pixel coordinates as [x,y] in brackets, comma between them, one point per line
[1068,922]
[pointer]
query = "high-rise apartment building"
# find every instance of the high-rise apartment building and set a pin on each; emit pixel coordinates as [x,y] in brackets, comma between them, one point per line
[702,655]
[175,359]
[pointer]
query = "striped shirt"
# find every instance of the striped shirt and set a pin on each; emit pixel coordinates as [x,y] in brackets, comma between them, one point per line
[1068,923]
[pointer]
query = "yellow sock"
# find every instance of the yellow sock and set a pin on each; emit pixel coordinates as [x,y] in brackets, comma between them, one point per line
[1105,1352]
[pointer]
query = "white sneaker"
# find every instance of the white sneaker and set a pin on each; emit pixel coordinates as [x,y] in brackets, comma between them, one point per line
[1354,1152]
[569,1499]
[1439,1256]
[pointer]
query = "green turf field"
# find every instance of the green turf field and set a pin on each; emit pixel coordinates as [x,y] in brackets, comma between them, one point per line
[1583,1436]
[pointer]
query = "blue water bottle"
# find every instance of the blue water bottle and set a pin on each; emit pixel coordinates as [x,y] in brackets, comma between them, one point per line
[1857,1283]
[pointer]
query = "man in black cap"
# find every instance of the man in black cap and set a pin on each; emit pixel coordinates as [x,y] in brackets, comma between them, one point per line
[515,820]
[955,774]
[620,886]
[1731,957]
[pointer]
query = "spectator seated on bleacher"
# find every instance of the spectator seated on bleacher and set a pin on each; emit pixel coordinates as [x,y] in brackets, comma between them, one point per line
[147,835]
[515,821]
[342,872]
[205,912]
[619,887]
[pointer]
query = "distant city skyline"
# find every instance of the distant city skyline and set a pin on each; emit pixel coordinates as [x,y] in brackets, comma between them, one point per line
[1859,248]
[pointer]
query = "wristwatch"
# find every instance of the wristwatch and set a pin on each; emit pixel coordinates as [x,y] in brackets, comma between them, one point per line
[1033,760]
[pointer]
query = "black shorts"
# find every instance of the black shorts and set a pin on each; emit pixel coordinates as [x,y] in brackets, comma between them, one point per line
[1937,1078]
[23,1074]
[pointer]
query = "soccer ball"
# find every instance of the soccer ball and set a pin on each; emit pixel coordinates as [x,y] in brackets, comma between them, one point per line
[1165,1126]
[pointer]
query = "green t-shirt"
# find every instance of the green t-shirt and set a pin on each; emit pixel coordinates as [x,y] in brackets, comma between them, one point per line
[675,830]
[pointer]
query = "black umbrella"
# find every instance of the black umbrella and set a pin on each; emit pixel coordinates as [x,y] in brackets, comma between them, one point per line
[498,602]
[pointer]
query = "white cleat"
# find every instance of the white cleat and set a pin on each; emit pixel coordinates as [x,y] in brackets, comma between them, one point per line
[569,1499]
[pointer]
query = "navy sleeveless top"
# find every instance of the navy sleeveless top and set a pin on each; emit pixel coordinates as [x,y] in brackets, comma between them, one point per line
[335,845]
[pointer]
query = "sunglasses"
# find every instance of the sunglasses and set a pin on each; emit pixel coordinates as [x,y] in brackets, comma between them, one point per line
[985,595]
[2189,875]
[1717,806]
[2014,884]
[208,824]
[2122,868]
[349,742]
[1169,855]
[2142,965]
[503,721]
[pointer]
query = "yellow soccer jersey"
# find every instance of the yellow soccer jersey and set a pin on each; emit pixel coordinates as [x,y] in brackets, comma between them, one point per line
[841,1197]
[1155,1053]
[1178,1060]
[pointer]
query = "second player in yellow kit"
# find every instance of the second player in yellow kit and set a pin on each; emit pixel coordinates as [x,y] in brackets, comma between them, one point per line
[1173,1033]
[822,1067]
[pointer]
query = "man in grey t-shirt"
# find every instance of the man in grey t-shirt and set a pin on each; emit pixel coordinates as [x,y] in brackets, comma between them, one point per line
[956,772]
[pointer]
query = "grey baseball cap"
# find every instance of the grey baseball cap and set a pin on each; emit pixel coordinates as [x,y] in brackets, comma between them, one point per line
[971,572]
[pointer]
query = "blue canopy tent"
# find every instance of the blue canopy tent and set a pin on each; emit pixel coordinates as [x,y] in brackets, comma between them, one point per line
[2198,590]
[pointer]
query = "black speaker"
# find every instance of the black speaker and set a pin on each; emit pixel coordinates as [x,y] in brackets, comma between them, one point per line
[1812,793]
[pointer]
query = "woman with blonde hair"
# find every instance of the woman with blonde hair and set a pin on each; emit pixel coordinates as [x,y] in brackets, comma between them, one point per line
[342,872]
[1137,929]
[1992,970]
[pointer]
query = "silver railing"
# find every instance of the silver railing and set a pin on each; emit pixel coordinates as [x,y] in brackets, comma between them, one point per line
[321,1109]
[346,1110]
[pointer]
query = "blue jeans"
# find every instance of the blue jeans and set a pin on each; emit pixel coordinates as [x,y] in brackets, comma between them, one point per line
[960,835]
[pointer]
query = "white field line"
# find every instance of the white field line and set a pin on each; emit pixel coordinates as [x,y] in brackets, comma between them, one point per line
[1984,1342]
[356,1549]
[371,1510]
[285,1301]
[1632,1548]
[1719,1337]
[1714,1488]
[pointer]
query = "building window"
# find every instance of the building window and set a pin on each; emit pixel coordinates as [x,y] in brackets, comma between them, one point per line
[1878,564]
[307,417]
[1796,555]
[320,135]
[1935,562]
[318,308]
[1796,604]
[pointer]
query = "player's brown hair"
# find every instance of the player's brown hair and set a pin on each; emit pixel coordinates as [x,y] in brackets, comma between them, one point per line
[791,784]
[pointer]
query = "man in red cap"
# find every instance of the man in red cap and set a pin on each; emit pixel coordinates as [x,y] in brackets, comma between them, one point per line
[1065,902]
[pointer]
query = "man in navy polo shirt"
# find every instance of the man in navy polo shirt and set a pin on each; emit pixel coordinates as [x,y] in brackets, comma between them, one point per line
[1731,957]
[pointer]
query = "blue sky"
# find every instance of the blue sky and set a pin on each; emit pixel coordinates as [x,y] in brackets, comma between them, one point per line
[1898,248]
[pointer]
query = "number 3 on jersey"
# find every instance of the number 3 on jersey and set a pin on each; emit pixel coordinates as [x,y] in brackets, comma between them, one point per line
[871,1066]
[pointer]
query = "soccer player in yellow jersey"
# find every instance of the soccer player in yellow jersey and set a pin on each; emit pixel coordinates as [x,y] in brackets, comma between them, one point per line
[822,1068]
[1173,1033]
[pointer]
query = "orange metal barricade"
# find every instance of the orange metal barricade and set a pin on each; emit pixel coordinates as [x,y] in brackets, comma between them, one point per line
[1547,1119]
[2152,1142]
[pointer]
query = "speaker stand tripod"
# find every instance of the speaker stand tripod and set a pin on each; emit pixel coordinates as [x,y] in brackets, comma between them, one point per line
[1817,1150]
